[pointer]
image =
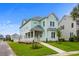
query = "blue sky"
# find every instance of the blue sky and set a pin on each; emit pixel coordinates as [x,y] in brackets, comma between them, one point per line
[11,15]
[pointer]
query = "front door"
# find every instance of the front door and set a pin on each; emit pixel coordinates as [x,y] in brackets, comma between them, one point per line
[38,34]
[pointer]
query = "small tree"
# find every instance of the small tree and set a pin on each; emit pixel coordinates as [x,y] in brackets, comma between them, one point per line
[8,37]
[58,34]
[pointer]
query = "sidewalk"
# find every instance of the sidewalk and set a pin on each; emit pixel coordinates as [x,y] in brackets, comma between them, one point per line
[60,52]
[5,50]
[66,53]
[53,48]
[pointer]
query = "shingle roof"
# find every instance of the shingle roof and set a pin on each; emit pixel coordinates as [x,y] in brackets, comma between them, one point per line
[38,28]
[53,15]
[37,18]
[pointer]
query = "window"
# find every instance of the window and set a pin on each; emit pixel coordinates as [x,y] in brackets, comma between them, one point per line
[51,23]
[62,27]
[43,23]
[72,25]
[26,35]
[52,34]
[77,22]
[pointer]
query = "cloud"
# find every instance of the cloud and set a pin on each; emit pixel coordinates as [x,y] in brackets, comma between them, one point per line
[8,21]
[9,28]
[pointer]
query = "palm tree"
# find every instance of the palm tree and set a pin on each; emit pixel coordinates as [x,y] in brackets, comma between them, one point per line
[58,33]
[75,12]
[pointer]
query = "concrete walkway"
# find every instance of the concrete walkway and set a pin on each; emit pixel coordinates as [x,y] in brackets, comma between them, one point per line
[53,48]
[66,53]
[60,52]
[5,50]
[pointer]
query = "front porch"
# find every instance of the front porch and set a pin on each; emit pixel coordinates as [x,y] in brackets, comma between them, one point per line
[34,34]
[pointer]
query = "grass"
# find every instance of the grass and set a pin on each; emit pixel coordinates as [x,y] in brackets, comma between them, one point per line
[21,49]
[67,46]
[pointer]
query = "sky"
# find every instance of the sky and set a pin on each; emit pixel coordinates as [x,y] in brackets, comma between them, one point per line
[12,14]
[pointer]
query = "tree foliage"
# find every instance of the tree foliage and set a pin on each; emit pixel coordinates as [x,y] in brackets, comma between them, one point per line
[58,33]
[75,12]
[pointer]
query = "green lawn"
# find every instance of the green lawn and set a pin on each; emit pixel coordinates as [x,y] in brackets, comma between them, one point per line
[67,46]
[26,50]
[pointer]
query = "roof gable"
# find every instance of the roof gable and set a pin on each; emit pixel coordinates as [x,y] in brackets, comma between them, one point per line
[65,16]
[52,14]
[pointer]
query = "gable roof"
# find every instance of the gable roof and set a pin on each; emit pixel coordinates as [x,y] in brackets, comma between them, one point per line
[63,18]
[50,15]
[53,15]
[38,27]
[38,18]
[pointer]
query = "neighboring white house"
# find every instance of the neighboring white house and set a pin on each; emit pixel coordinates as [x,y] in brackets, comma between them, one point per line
[39,28]
[69,27]
[15,37]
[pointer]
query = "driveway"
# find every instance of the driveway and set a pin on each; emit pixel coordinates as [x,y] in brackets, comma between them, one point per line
[5,50]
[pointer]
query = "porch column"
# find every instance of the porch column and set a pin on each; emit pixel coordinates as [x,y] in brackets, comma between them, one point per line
[33,35]
[27,35]
[30,34]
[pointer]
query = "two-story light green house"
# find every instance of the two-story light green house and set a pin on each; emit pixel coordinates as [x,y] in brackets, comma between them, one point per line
[39,28]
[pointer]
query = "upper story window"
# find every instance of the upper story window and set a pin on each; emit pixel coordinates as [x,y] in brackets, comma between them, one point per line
[77,22]
[72,25]
[43,23]
[52,23]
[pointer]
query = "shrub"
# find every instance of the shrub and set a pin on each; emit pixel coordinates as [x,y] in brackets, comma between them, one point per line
[35,45]
[11,40]
[74,38]
[61,40]
[71,39]
[78,38]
